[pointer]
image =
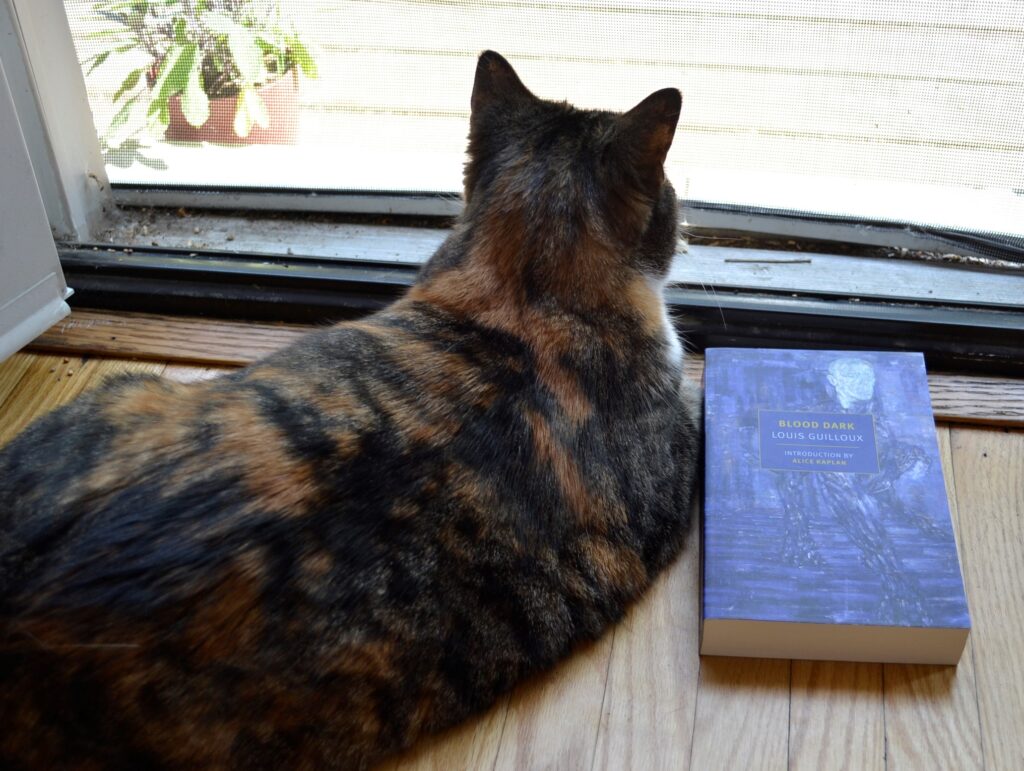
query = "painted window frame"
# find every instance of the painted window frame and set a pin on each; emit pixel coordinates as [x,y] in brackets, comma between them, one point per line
[33,293]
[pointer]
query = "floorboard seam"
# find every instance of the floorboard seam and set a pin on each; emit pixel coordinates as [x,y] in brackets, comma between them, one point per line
[604,697]
[963,570]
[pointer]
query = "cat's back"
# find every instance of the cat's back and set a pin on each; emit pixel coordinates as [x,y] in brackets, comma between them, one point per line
[375,532]
[173,556]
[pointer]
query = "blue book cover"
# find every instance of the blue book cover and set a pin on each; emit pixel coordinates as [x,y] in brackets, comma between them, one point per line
[826,528]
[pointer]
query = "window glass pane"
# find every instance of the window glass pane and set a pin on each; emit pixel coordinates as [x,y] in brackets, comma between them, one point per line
[909,111]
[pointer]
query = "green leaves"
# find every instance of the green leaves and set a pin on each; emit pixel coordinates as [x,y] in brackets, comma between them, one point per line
[98,60]
[172,79]
[166,48]
[305,60]
[247,55]
[249,109]
[181,73]
[128,83]
[244,48]
[180,28]
[138,6]
[128,122]
[195,105]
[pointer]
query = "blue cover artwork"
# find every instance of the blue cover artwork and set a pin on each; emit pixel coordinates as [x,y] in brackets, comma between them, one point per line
[824,495]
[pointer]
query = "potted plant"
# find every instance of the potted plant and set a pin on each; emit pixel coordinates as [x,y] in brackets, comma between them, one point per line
[203,70]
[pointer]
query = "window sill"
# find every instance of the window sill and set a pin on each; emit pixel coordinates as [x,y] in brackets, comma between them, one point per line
[313,269]
[795,271]
[956,398]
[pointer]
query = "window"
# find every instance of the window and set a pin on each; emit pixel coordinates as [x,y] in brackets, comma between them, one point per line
[884,111]
[818,140]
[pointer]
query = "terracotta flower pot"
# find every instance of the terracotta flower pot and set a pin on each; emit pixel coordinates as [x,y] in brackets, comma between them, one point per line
[282,99]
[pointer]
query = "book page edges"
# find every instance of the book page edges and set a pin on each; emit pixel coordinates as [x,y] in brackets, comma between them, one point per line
[832,642]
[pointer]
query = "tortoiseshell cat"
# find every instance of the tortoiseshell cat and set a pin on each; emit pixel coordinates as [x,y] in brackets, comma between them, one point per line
[375,532]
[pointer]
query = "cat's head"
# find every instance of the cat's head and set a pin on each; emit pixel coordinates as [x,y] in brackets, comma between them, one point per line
[584,190]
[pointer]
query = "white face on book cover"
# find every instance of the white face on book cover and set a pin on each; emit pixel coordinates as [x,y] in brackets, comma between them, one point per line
[853,379]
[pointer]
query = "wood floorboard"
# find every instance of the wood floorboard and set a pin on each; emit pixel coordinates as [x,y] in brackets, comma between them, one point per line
[471,746]
[836,717]
[742,718]
[11,372]
[931,713]
[988,471]
[553,720]
[650,700]
[641,698]
[167,338]
[219,343]
[50,381]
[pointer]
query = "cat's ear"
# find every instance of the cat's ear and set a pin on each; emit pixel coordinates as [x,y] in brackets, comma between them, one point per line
[645,135]
[496,83]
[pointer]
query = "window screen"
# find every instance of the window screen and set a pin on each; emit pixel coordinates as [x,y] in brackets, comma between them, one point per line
[908,111]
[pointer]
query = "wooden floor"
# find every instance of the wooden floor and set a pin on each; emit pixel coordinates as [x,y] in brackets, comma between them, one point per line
[642,698]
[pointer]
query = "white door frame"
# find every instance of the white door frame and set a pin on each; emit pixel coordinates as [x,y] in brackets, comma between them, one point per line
[32,288]
[48,88]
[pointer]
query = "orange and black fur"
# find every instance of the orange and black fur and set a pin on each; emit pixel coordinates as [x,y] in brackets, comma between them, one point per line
[373,533]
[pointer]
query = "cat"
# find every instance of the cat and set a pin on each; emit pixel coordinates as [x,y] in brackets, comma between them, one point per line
[375,532]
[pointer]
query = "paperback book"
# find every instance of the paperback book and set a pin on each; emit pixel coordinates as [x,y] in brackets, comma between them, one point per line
[826,528]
